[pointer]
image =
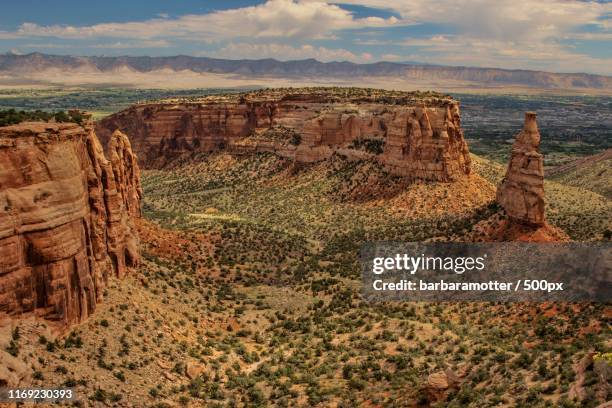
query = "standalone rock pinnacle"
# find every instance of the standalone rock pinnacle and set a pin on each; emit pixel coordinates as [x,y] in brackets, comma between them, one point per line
[521,192]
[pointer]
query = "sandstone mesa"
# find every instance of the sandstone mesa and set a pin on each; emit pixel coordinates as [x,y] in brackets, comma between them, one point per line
[412,135]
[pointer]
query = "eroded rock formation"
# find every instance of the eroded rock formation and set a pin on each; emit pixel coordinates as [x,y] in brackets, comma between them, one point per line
[521,196]
[521,192]
[66,218]
[440,384]
[414,135]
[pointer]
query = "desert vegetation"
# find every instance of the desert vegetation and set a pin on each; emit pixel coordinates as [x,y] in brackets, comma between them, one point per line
[249,296]
[13,117]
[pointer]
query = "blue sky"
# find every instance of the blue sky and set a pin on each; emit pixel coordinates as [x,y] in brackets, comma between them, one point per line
[551,35]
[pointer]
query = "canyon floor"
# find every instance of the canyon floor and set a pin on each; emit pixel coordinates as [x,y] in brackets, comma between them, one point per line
[249,295]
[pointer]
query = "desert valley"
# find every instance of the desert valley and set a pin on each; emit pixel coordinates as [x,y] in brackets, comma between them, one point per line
[203,251]
[309,204]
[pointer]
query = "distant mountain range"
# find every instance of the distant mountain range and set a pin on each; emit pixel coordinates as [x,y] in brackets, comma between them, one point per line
[29,65]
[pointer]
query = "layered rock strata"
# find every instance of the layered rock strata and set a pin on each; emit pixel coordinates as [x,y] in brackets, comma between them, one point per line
[414,135]
[66,218]
[521,192]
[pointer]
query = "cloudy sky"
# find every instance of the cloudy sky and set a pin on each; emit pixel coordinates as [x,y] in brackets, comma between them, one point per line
[551,35]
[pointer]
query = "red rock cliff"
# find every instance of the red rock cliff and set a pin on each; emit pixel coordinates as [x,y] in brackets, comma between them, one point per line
[413,135]
[66,218]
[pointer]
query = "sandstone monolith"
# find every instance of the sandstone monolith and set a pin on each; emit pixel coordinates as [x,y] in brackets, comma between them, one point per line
[521,192]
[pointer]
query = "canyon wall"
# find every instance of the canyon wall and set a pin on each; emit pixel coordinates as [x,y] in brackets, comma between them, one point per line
[412,135]
[66,218]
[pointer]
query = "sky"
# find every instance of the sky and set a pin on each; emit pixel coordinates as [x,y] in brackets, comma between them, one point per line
[549,35]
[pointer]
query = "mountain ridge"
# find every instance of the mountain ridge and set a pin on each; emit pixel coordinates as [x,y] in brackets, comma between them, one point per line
[14,65]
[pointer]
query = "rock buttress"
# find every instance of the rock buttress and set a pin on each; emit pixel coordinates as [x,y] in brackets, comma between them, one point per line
[66,219]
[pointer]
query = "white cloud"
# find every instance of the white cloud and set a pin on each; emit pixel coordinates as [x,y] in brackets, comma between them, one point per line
[47,45]
[505,33]
[431,42]
[288,52]
[134,44]
[273,19]
[589,36]
[505,20]
[6,35]
[470,51]
[393,57]
[498,33]
[360,41]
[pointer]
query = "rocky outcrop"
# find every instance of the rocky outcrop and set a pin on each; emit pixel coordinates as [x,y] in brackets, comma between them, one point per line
[440,384]
[521,192]
[414,135]
[193,369]
[66,218]
[500,228]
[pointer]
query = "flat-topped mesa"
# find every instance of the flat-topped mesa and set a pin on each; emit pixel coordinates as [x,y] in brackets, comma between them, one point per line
[413,134]
[66,218]
[521,192]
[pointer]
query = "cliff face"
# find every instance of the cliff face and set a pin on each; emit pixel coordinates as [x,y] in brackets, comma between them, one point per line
[521,192]
[65,218]
[416,137]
